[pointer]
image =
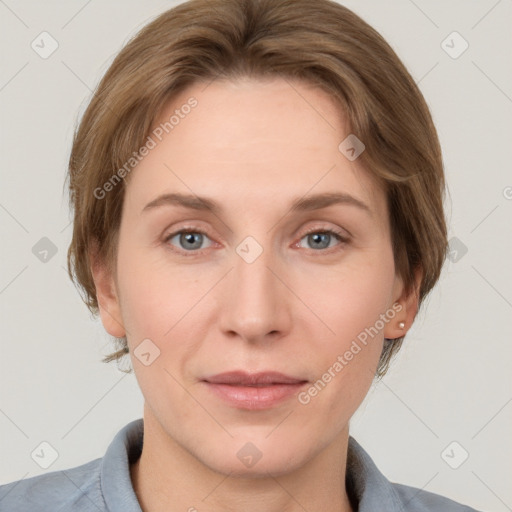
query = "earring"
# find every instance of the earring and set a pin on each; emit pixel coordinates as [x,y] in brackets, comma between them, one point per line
[401,325]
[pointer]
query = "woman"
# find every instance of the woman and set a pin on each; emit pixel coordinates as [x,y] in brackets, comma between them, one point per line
[258,198]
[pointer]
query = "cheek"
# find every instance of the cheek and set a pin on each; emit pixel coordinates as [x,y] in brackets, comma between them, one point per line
[350,303]
[346,359]
[154,295]
[352,296]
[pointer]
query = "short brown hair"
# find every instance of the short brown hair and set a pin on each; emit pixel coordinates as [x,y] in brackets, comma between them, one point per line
[320,42]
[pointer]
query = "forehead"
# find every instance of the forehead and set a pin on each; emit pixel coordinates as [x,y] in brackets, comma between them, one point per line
[250,139]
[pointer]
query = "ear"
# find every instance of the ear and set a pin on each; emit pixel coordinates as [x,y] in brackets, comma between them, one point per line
[406,306]
[106,295]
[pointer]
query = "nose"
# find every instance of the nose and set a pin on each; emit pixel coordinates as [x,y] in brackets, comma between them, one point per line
[256,302]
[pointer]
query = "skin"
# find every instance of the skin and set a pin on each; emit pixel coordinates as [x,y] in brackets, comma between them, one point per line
[253,146]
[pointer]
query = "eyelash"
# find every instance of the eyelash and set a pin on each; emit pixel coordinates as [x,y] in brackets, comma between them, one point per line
[340,236]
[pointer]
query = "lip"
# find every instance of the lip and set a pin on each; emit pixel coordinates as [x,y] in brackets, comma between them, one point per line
[253,391]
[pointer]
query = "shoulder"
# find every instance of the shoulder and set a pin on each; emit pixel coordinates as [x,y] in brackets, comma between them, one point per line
[417,500]
[76,489]
[371,490]
[97,486]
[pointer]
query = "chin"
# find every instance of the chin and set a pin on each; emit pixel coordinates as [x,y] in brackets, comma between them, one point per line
[254,459]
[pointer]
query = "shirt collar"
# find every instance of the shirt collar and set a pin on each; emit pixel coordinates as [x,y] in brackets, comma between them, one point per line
[116,484]
[370,488]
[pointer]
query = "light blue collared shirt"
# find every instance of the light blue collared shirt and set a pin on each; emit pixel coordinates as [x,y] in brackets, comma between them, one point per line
[104,484]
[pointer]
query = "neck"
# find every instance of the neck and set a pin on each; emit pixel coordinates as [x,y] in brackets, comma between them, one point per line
[169,478]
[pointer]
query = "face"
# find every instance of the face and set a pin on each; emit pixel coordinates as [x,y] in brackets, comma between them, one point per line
[266,280]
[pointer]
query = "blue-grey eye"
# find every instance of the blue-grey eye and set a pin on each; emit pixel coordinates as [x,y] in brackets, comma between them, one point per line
[322,239]
[188,240]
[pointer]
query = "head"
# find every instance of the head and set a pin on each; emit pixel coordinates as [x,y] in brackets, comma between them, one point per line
[251,108]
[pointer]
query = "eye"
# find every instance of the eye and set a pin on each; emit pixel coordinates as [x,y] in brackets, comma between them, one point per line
[321,239]
[188,240]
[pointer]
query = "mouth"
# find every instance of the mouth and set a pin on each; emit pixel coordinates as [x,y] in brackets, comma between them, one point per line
[254,391]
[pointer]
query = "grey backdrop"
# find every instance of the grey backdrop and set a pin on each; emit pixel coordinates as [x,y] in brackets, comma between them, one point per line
[452,381]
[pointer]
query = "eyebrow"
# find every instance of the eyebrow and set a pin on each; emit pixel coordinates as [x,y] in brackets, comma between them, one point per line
[301,204]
